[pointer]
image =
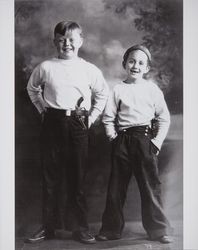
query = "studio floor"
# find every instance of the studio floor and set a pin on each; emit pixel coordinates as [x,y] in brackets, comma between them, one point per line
[134,238]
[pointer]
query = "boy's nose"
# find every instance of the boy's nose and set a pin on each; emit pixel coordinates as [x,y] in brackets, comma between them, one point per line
[135,64]
[66,42]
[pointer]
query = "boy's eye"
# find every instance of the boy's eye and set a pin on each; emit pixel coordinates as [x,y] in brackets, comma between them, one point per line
[131,61]
[141,63]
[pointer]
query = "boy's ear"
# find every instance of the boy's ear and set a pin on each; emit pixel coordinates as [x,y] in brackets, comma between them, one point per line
[147,68]
[54,41]
[81,42]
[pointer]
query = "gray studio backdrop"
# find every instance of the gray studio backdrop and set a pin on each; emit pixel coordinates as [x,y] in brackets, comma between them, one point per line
[110,27]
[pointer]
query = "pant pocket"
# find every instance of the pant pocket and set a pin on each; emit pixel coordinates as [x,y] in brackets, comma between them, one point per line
[153,149]
[82,122]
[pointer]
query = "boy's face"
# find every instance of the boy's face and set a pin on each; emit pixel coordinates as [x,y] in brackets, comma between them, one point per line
[136,65]
[69,44]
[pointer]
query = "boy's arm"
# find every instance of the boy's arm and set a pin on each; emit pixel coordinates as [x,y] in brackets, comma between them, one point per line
[100,92]
[110,116]
[162,116]
[34,89]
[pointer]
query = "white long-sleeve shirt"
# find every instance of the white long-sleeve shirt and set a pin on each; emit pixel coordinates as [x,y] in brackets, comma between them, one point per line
[59,83]
[136,105]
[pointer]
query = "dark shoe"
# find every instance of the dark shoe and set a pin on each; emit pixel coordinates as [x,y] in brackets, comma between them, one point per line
[165,239]
[84,237]
[101,237]
[104,237]
[40,235]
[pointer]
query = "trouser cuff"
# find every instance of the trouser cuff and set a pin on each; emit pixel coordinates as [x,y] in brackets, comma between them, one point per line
[154,234]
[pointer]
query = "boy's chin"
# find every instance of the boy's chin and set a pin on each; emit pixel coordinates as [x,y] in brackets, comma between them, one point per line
[66,56]
[135,77]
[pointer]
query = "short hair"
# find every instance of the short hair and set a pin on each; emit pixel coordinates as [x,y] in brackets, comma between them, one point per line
[136,47]
[64,26]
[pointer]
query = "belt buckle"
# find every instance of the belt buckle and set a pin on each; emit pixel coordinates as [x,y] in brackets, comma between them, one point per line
[68,112]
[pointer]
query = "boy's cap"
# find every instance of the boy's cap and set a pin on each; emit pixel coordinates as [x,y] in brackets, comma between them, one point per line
[136,47]
[142,48]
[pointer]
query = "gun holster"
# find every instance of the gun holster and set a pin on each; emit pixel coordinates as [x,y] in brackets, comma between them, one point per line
[154,127]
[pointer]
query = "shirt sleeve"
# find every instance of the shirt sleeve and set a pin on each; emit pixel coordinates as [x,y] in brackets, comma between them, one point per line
[34,88]
[162,116]
[100,92]
[109,115]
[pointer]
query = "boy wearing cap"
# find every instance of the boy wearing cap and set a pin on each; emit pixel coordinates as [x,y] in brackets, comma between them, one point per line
[61,89]
[128,115]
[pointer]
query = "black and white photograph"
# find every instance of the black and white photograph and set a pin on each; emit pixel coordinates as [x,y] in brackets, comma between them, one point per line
[98,109]
[99,105]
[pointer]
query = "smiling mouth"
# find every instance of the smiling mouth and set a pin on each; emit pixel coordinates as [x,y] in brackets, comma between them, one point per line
[134,71]
[67,49]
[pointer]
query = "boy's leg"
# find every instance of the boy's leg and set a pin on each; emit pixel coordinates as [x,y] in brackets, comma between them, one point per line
[147,176]
[113,218]
[52,145]
[51,178]
[76,172]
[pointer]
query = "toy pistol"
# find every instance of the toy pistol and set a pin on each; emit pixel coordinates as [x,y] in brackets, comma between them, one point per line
[80,112]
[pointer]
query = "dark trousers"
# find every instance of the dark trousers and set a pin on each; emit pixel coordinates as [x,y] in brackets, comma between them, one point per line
[134,154]
[64,159]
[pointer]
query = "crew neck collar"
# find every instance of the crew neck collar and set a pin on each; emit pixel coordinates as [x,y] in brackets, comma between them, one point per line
[65,61]
[137,82]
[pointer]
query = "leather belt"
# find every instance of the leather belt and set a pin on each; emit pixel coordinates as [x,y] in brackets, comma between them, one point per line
[67,112]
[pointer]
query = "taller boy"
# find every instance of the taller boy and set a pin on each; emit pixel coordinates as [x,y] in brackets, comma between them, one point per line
[62,90]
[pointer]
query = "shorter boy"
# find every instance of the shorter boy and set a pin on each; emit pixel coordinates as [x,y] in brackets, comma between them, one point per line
[62,89]
[128,115]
